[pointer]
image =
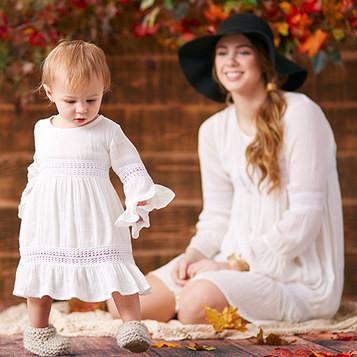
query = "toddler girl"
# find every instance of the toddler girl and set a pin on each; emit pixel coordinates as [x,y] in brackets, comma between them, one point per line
[74,236]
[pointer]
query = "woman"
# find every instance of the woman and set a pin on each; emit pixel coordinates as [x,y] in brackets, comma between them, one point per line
[269,239]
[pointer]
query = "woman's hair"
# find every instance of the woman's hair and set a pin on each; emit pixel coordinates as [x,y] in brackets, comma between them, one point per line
[80,60]
[263,152]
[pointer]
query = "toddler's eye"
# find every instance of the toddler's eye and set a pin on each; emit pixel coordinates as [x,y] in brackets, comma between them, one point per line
[91,100]
[70,101]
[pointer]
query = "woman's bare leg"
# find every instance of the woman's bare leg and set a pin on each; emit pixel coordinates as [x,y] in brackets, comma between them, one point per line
[39,310]
[194,296]
[159,305]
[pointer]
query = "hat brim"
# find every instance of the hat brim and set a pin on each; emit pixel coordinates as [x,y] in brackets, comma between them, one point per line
[196,59]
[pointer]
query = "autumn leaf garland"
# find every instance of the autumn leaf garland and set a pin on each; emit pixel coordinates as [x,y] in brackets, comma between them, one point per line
[30,29]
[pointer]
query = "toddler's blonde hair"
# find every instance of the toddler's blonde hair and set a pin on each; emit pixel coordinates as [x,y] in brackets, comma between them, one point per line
[80,60]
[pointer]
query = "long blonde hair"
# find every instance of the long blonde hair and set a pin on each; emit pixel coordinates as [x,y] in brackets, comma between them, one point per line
[264,151]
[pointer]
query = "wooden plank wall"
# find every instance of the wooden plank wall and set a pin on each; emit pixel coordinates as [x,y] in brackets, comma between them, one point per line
[161,114]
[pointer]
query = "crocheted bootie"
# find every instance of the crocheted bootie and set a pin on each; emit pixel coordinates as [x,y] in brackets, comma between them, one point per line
[134,336]
[44,341]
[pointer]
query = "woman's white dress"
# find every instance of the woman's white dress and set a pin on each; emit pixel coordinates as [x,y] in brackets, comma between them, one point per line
[74,236]
[292,238]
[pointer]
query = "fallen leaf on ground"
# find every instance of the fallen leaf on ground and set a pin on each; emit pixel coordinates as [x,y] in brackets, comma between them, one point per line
[227,319]
[162,344]
[272,339]
[302,352]
[197,347]
[344,337]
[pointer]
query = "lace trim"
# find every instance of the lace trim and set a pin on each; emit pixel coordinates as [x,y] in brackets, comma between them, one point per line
[131,171]
[74,168]
[306,200]
[75,256]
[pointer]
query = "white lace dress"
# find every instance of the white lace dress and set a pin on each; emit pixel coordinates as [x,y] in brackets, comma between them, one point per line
[74,235]
[292,238]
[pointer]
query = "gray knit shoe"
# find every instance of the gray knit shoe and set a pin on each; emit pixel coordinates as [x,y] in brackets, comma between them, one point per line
[44,341]
[134,336]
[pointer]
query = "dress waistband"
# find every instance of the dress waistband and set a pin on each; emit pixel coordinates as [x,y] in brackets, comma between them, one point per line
[74,168]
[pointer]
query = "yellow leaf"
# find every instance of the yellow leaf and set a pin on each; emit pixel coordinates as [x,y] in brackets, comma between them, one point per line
[283,28]
[286,7]
[162,344]
[228,319]
[338,34]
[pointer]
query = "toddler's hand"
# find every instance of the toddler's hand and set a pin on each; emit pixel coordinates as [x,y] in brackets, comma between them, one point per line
[142,203]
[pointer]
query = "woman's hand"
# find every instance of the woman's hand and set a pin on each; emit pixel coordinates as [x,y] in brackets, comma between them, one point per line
[206,265]
[180,271]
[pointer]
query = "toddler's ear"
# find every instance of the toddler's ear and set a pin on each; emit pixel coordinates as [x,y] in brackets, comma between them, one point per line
[48,92]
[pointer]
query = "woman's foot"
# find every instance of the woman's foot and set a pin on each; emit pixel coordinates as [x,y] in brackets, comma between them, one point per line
[134,336]
[44,341]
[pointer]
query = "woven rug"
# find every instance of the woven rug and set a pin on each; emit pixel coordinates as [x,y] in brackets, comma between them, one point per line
[100,323]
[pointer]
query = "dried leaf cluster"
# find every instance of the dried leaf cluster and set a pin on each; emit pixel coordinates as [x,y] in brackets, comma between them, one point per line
[227,319]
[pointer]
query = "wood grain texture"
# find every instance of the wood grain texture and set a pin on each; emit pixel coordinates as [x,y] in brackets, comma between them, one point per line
[161,114]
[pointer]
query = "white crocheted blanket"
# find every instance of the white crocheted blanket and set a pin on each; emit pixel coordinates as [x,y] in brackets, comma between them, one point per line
[100,323]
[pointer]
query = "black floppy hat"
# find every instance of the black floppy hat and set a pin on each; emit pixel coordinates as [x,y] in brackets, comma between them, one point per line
[196,56]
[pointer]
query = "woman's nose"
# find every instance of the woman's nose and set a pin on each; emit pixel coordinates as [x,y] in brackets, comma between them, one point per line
[233,58]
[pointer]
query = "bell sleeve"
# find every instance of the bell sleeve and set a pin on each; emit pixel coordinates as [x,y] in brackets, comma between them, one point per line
[309,150]
[138,185]
[217,192]
[32,174]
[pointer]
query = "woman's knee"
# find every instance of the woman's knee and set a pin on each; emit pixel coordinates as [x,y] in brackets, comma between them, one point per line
[160,304]
[195,296]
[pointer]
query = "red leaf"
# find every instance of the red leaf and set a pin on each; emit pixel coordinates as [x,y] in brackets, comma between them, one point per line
[280,352]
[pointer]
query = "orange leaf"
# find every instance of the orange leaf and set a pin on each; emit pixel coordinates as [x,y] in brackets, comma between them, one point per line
[313,43]
[162,344]
[214,12]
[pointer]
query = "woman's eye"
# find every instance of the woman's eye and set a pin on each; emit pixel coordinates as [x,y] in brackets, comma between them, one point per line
[244,53]
[220,53]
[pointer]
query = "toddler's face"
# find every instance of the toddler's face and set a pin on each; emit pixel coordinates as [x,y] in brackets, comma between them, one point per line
[76,107]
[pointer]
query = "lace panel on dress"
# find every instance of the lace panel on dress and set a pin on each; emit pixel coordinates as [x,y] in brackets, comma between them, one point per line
[131,171]
[75,256]
[74,168]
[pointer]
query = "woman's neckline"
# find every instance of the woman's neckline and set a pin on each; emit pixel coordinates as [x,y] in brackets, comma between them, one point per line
[241,131]
[89,125]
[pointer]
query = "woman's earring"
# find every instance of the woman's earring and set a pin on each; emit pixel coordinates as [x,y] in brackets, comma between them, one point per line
[271,86]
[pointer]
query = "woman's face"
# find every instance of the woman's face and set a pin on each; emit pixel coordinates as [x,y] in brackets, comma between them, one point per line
[237,65]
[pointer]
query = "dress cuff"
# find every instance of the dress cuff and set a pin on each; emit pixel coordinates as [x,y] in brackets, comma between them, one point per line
[138,216]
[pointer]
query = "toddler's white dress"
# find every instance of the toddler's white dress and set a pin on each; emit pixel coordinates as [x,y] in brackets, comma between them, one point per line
[74,236]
